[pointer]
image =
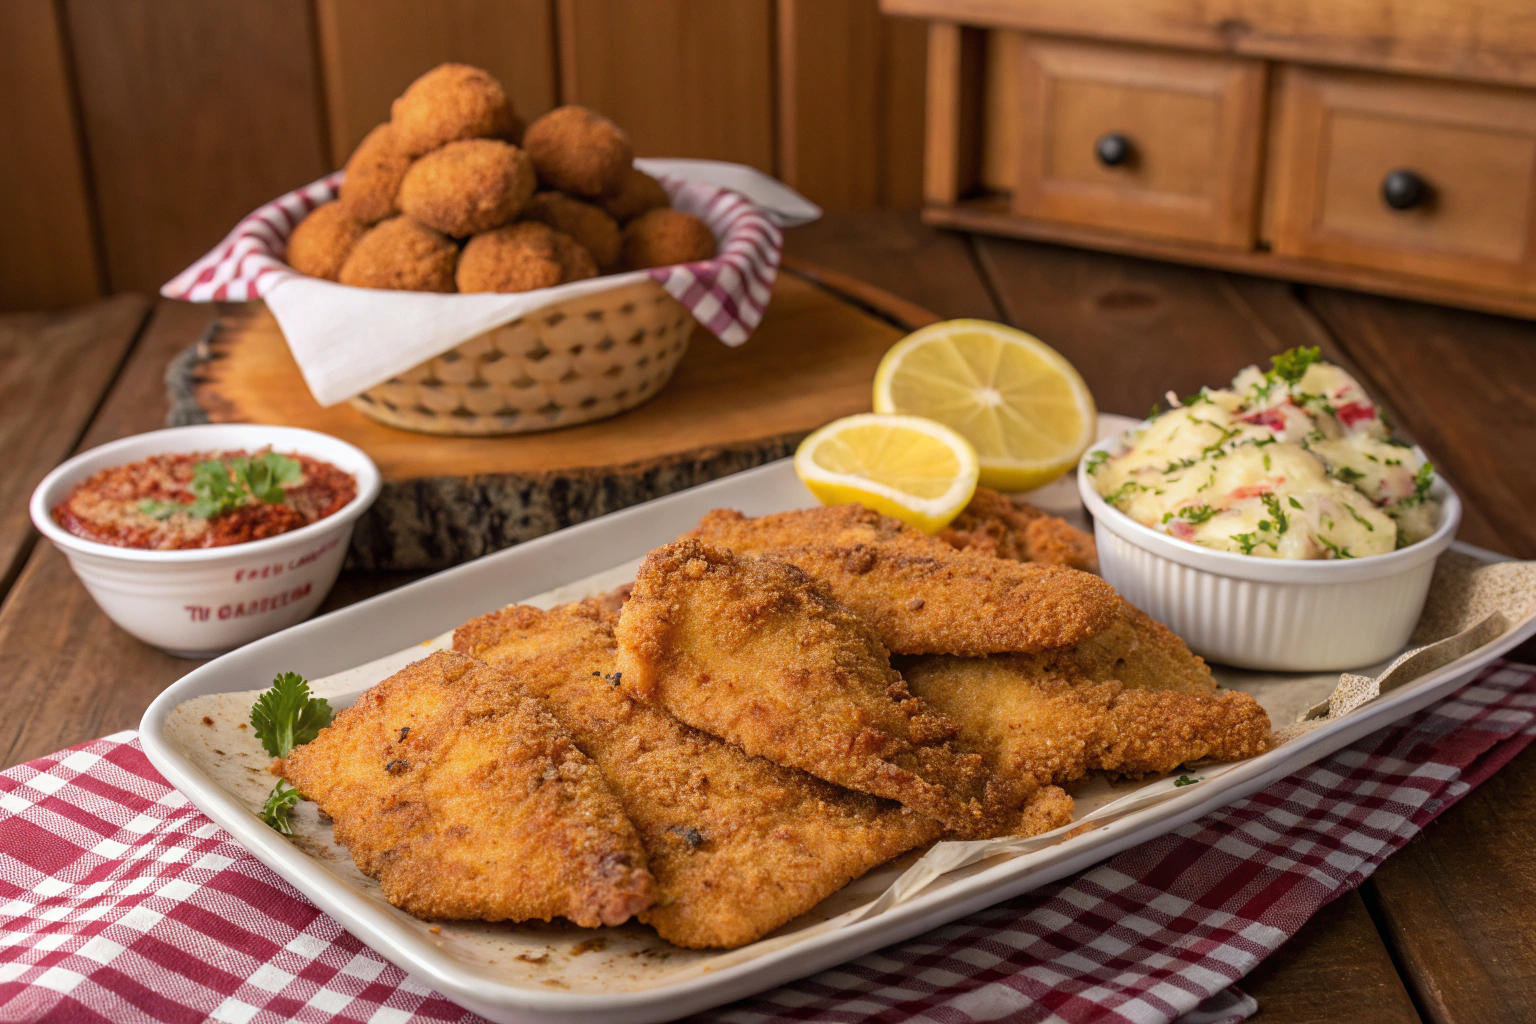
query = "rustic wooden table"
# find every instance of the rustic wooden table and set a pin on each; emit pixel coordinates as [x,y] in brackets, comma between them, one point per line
[1440,933]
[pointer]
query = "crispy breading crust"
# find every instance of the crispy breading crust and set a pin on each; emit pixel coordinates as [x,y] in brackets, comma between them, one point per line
[322,241]
[579,151]
[920,595]
[755,651]
[468,186]
[592,228]
[374,172]
[636,193]
[664,237]
[738,844]
[516,258]
[1057,728]
[451,102]
[995,524]
[401,254]
[467,800]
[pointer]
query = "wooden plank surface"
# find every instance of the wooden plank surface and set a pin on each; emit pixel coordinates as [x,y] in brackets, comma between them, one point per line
[54,370]
[1457,903]
[1489,40]
[194,114]
[850,103]
[1335,969]
[49,258]
[372,49]
[686,78]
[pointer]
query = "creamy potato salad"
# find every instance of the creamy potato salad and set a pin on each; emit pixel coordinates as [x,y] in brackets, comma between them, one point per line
[1292,462]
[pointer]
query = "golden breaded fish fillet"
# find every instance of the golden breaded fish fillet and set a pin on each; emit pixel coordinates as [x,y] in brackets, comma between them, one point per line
[467,800]
[755,651]
[994,524]
[1136,649]
[1056,728]
[920,595]
[738,844]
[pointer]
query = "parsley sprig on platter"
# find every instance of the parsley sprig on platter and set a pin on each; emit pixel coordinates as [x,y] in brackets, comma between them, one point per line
[223,485]
[284,717]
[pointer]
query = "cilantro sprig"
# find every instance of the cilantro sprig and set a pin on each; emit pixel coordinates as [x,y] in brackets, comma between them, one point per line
[1291,365]
[223,485]
[284,717]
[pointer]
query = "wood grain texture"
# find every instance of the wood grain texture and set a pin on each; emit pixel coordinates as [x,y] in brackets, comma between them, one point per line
[194,115]
[49,259]
[372,49]
[54,370]
[1456,903]
[1485,40]
[992,215]
[892,250]
[1195,126]
[954,112]
[1341,133]
[1461,384]
[1335,968]
[1133,328]
[686,78]
[850,103]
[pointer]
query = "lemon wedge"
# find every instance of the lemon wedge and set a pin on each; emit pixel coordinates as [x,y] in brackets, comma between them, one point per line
[1017,400]
[919,471]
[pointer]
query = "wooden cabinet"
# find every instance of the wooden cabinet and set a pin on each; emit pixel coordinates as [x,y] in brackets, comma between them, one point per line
[1163,130]
[1423,178]
[1137,140]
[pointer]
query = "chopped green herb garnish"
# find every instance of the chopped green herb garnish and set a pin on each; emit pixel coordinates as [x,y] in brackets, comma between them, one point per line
[1185,780]
[1272,503]
[1348,474]
[1198,397]
[160,509]
[1096,461]
[1197,513]
[1423,480]
[1291,366]
[284,717]
[1357,519]
[279,806]
[1333,548]
[1123,492]
[1248,541]
[1174,467]
[1266,463]
[222,485]
[1294,502]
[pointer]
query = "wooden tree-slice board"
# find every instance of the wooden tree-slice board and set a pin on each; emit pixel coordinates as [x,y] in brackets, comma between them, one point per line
[447,499]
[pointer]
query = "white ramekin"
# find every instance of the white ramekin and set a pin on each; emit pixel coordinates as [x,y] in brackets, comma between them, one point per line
[1269,613]
[205,601]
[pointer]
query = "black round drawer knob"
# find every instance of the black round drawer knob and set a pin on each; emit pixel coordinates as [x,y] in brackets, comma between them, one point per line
[1113,150]
[1403,190]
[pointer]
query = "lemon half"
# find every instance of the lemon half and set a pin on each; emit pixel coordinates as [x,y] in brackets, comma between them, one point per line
[1022,406]
[919,471]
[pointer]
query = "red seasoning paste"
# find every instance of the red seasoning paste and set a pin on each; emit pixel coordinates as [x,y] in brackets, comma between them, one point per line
[140,505]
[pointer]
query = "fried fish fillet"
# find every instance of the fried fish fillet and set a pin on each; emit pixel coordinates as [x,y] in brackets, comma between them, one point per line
[995,524]
[755,651]
[920,595]
[1054,719]
[467,800]
[738,844]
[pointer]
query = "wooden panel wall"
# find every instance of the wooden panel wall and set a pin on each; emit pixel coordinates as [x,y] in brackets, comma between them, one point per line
[138,132]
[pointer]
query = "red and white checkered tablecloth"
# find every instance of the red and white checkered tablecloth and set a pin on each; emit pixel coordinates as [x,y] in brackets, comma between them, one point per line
[124,903]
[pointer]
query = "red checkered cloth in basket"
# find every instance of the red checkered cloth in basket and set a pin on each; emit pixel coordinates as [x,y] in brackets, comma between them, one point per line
[124,903]
[727,294]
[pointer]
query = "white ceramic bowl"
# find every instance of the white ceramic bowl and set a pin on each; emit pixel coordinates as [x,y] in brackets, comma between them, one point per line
[205,601]
[1269,613]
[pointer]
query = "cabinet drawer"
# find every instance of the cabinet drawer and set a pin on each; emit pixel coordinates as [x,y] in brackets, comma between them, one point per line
[1423,178]
[1139,141]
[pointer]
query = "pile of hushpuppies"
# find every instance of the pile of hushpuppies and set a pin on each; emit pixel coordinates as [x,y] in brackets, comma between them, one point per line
[452,193]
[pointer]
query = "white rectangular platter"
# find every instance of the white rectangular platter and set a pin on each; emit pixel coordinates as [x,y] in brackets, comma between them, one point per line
[549,973]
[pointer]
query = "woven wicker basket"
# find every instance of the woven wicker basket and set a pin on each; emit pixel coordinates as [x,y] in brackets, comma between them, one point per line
[573,362]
